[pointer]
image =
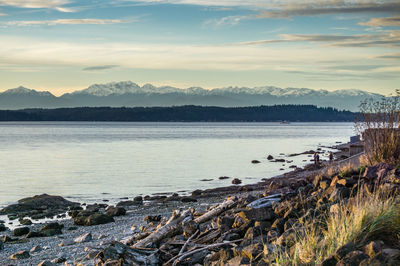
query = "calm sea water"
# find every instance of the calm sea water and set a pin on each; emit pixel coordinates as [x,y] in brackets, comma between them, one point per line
[94,161]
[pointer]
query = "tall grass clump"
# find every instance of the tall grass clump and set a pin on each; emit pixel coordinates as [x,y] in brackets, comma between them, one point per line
[368,216]
[378,123]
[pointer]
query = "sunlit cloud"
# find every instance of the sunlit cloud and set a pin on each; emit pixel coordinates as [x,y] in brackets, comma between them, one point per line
[51,4]
[225,21]
[380,22]
[389,38]
[64,22]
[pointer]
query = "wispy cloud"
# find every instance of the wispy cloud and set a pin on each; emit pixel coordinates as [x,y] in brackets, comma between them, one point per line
[389,39]
[225,21]
[288,8]
[380,22]
[326,7]
[51,4]
[64,22]
[99,68]
[389,56]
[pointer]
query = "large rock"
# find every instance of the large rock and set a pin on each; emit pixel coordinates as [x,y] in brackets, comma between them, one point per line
[93,219]
[52,229]
[20,231]
[115,211]
[378,171]
[353,258]
[259,214]
[39,206]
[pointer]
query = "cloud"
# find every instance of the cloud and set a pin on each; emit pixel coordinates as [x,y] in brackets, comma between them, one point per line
[64,22]
[51,4]
[380,22]
[389,56]
[225,21]
[387,39]
[288,8]
[99,68]
[326,7]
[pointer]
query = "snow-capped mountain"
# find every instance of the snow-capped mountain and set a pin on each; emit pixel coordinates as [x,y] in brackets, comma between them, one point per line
[130,94]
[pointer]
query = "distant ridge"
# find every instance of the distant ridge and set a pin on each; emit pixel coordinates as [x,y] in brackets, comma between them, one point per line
[130,94]
[190,113]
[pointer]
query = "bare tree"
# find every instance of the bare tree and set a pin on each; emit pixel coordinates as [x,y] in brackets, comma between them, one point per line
[378,123]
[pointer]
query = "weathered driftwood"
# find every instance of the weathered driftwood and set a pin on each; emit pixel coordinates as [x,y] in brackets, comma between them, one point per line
[179,258]
[187,243]
[129,255]
[171,228]
[227,204]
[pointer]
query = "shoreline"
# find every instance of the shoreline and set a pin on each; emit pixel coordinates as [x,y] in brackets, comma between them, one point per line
[105,234]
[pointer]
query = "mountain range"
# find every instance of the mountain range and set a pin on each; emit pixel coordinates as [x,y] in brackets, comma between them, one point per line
[130,94]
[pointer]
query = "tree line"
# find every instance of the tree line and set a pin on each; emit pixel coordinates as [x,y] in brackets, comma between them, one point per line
[187,113]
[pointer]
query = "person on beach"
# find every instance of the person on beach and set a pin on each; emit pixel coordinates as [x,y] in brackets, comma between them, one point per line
[330,157]
[316,158]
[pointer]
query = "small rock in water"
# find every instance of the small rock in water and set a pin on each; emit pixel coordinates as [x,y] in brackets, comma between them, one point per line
[205,180]
[20,255]
[25,222]
[223,177]
[138,199]
[35,249]
[255,161]
[236,181]
[83,238]
[2,227]
[270,157]
[46,263]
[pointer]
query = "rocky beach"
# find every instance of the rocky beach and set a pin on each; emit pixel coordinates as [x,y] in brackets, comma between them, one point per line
[256,224]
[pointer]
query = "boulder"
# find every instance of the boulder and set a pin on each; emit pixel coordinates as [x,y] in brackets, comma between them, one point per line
[377,171]
[188,199]
[339,194]
[20,231]
[20,255]
[115,211]
[331,261]
[51,229]
[344,250]
[93,219]
[373,248]
[353,258]
[40,206]
[259,214]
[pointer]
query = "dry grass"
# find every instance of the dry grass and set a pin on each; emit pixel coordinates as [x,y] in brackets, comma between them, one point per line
[365,217]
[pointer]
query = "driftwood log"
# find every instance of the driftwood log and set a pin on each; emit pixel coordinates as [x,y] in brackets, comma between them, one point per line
[171,228]
[129,256]
[227,204]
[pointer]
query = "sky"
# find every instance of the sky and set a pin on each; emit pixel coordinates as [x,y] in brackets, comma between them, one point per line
[67,45]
